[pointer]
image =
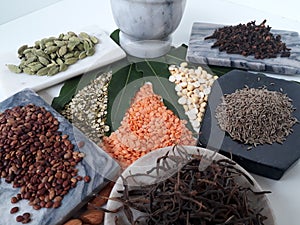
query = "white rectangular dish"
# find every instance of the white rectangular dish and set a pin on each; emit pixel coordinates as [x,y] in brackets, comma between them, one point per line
[107,51]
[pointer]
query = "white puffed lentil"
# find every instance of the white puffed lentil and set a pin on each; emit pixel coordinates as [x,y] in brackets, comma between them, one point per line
[193,87]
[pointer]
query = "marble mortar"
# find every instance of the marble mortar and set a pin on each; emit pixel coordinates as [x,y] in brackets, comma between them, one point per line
[146,25]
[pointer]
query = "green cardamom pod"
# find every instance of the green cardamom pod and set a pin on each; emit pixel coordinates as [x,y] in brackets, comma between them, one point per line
[43,71]
[43,60]
[28,71]
[94,39]
[39,52]
[35,66]
[60,43]
[49,43]
[62,50]
[90,52]
[68,55]
[28,50]
[51,55]
[53,70]
[59,61]
[76,54]
[86,45]
[22,49]
[71,61]
[71,33]
[80,46]
[84,35]
[82,55]
[14,68]
[30,60]
[63,67]
[51,49]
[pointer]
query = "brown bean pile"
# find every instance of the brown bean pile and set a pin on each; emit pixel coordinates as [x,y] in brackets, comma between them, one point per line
[256,116]
[250,39]
[36,157]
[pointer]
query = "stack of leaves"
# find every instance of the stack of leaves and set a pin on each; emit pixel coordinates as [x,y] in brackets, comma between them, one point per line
[146,126]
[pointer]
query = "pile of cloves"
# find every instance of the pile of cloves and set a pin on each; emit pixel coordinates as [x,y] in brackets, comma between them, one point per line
[250,39]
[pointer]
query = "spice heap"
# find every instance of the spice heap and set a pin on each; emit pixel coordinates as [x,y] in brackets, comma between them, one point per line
[193,87]
[37,158]
[92,214]
[52,55]
[256,116]
[191,196]
[250,39]
[147,125]
[88,108]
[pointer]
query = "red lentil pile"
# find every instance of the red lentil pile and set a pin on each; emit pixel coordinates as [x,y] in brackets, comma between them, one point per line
[147,125]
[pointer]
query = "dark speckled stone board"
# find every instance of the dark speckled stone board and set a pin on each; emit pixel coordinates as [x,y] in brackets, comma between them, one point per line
[200,51]
[97,164]
[266,160]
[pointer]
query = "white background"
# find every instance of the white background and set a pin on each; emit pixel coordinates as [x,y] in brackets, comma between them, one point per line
[13,9]
[67,15]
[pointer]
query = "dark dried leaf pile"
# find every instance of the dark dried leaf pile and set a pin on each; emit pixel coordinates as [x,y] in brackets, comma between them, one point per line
[250,39]
[191,196]
[256,116]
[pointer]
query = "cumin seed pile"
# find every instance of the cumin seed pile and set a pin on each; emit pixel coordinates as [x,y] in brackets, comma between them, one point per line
[256,116]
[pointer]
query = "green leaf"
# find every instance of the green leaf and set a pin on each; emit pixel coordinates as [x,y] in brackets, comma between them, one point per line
[115,36]
[124,84]
[128,76]
[158,73]
[219,70]
[176,55]
[66,93]
[72,86]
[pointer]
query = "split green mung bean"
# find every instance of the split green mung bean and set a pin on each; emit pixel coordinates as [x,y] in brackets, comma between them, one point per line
[88,108]
[52,55]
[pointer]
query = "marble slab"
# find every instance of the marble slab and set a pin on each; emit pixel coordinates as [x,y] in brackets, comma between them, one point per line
[97,164]
[107,52]
[200,51]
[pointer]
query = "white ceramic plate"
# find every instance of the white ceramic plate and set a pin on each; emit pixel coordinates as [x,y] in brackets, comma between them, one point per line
[107,51]
[148,161]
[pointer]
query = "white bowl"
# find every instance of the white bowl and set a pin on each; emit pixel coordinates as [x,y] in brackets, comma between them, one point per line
[148,162]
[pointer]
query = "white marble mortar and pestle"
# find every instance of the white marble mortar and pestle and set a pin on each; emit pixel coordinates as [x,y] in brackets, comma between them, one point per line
[146,26]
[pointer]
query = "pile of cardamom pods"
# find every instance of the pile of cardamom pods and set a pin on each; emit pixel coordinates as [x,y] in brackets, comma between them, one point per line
[52,55]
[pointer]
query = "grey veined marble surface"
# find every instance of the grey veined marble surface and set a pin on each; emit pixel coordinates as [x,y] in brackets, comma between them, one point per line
[200,51]
[97,164]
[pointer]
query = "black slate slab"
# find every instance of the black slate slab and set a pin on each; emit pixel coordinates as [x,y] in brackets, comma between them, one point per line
[200,51]
[266,160]
[97,164]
